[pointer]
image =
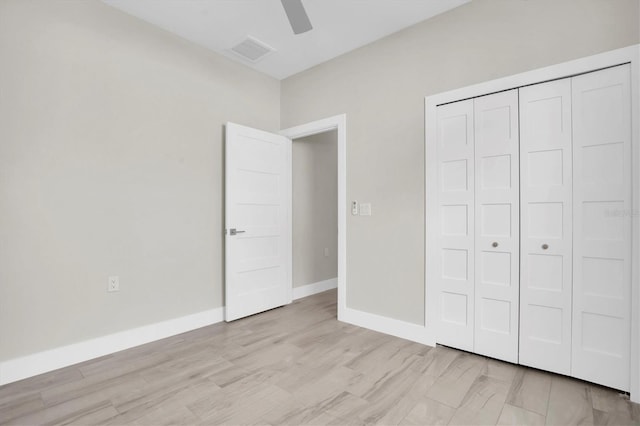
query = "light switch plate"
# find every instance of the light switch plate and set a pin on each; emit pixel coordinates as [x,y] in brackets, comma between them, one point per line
[113,284]
[365,209]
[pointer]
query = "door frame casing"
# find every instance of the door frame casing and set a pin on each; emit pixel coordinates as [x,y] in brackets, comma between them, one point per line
[338,123]
[631,55]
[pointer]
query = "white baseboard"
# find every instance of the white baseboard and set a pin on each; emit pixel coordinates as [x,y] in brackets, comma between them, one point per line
[311,289]
[404,330]
[42,362]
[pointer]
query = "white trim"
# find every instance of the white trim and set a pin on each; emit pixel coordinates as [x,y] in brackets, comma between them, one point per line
[339,123]
[393,327]
[635,225]
[553,72]
[629,54]
[289,203]
[431,291]
[42,362]
[314,288]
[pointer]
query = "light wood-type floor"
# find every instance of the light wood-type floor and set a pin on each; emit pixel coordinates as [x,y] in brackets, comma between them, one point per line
[299,365]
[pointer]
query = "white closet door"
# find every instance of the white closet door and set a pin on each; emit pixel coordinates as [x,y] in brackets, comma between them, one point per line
[546,226]
[455,218]
[497,227]
[602,244]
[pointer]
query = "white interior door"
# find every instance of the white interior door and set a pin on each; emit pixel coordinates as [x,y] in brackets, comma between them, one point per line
[497,225]
[602,242]
[546,226]
[258,221]
[455,203]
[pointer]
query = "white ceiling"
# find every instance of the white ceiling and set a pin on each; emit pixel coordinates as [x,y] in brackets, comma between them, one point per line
[338,25]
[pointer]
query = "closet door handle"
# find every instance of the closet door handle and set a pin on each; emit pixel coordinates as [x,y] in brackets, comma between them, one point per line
[545,246]
[494,244]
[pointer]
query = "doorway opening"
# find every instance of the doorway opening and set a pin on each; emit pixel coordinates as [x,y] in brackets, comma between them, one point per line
[319,207]
[315,213]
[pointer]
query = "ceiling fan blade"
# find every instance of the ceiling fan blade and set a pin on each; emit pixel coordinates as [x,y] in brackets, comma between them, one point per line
[297,16]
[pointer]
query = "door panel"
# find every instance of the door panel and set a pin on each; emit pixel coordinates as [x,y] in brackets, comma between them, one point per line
[456,211]
[546,226]
[602,208]
[497,223]
[258,205]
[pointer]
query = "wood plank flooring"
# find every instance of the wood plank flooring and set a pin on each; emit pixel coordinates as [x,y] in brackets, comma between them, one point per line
[298,365]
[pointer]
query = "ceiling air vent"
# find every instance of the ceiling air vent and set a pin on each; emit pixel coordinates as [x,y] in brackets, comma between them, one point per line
[251,49]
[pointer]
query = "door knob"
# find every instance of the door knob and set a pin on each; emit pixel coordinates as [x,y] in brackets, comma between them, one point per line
[545,246]
[495,244]
[234,231]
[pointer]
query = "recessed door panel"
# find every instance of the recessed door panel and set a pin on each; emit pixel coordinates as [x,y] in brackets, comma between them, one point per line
[603,164]
[496,172]
[454,309]
[548,327]
[545,167]
[454,176]
[453,125]
[603,220]
[455,264]
[545,220]
[495,220]
[603,277]
[496,268]
[454,220]
[496,316]
[546,226]
[545,272]
[496,241]
[455,275]
[602,208]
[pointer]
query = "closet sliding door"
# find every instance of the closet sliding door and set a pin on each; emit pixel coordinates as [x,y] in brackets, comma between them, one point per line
[497,225]
[455,284]
[530,227]
[546,226]
[602,227]
[478,209]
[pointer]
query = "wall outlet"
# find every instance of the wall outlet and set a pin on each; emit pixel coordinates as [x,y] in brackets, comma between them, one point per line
[113,284]
[326,252]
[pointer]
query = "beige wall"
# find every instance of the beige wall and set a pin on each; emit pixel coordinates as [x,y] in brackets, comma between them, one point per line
[381,87]
[111,152]
[110,164]
[315,208]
